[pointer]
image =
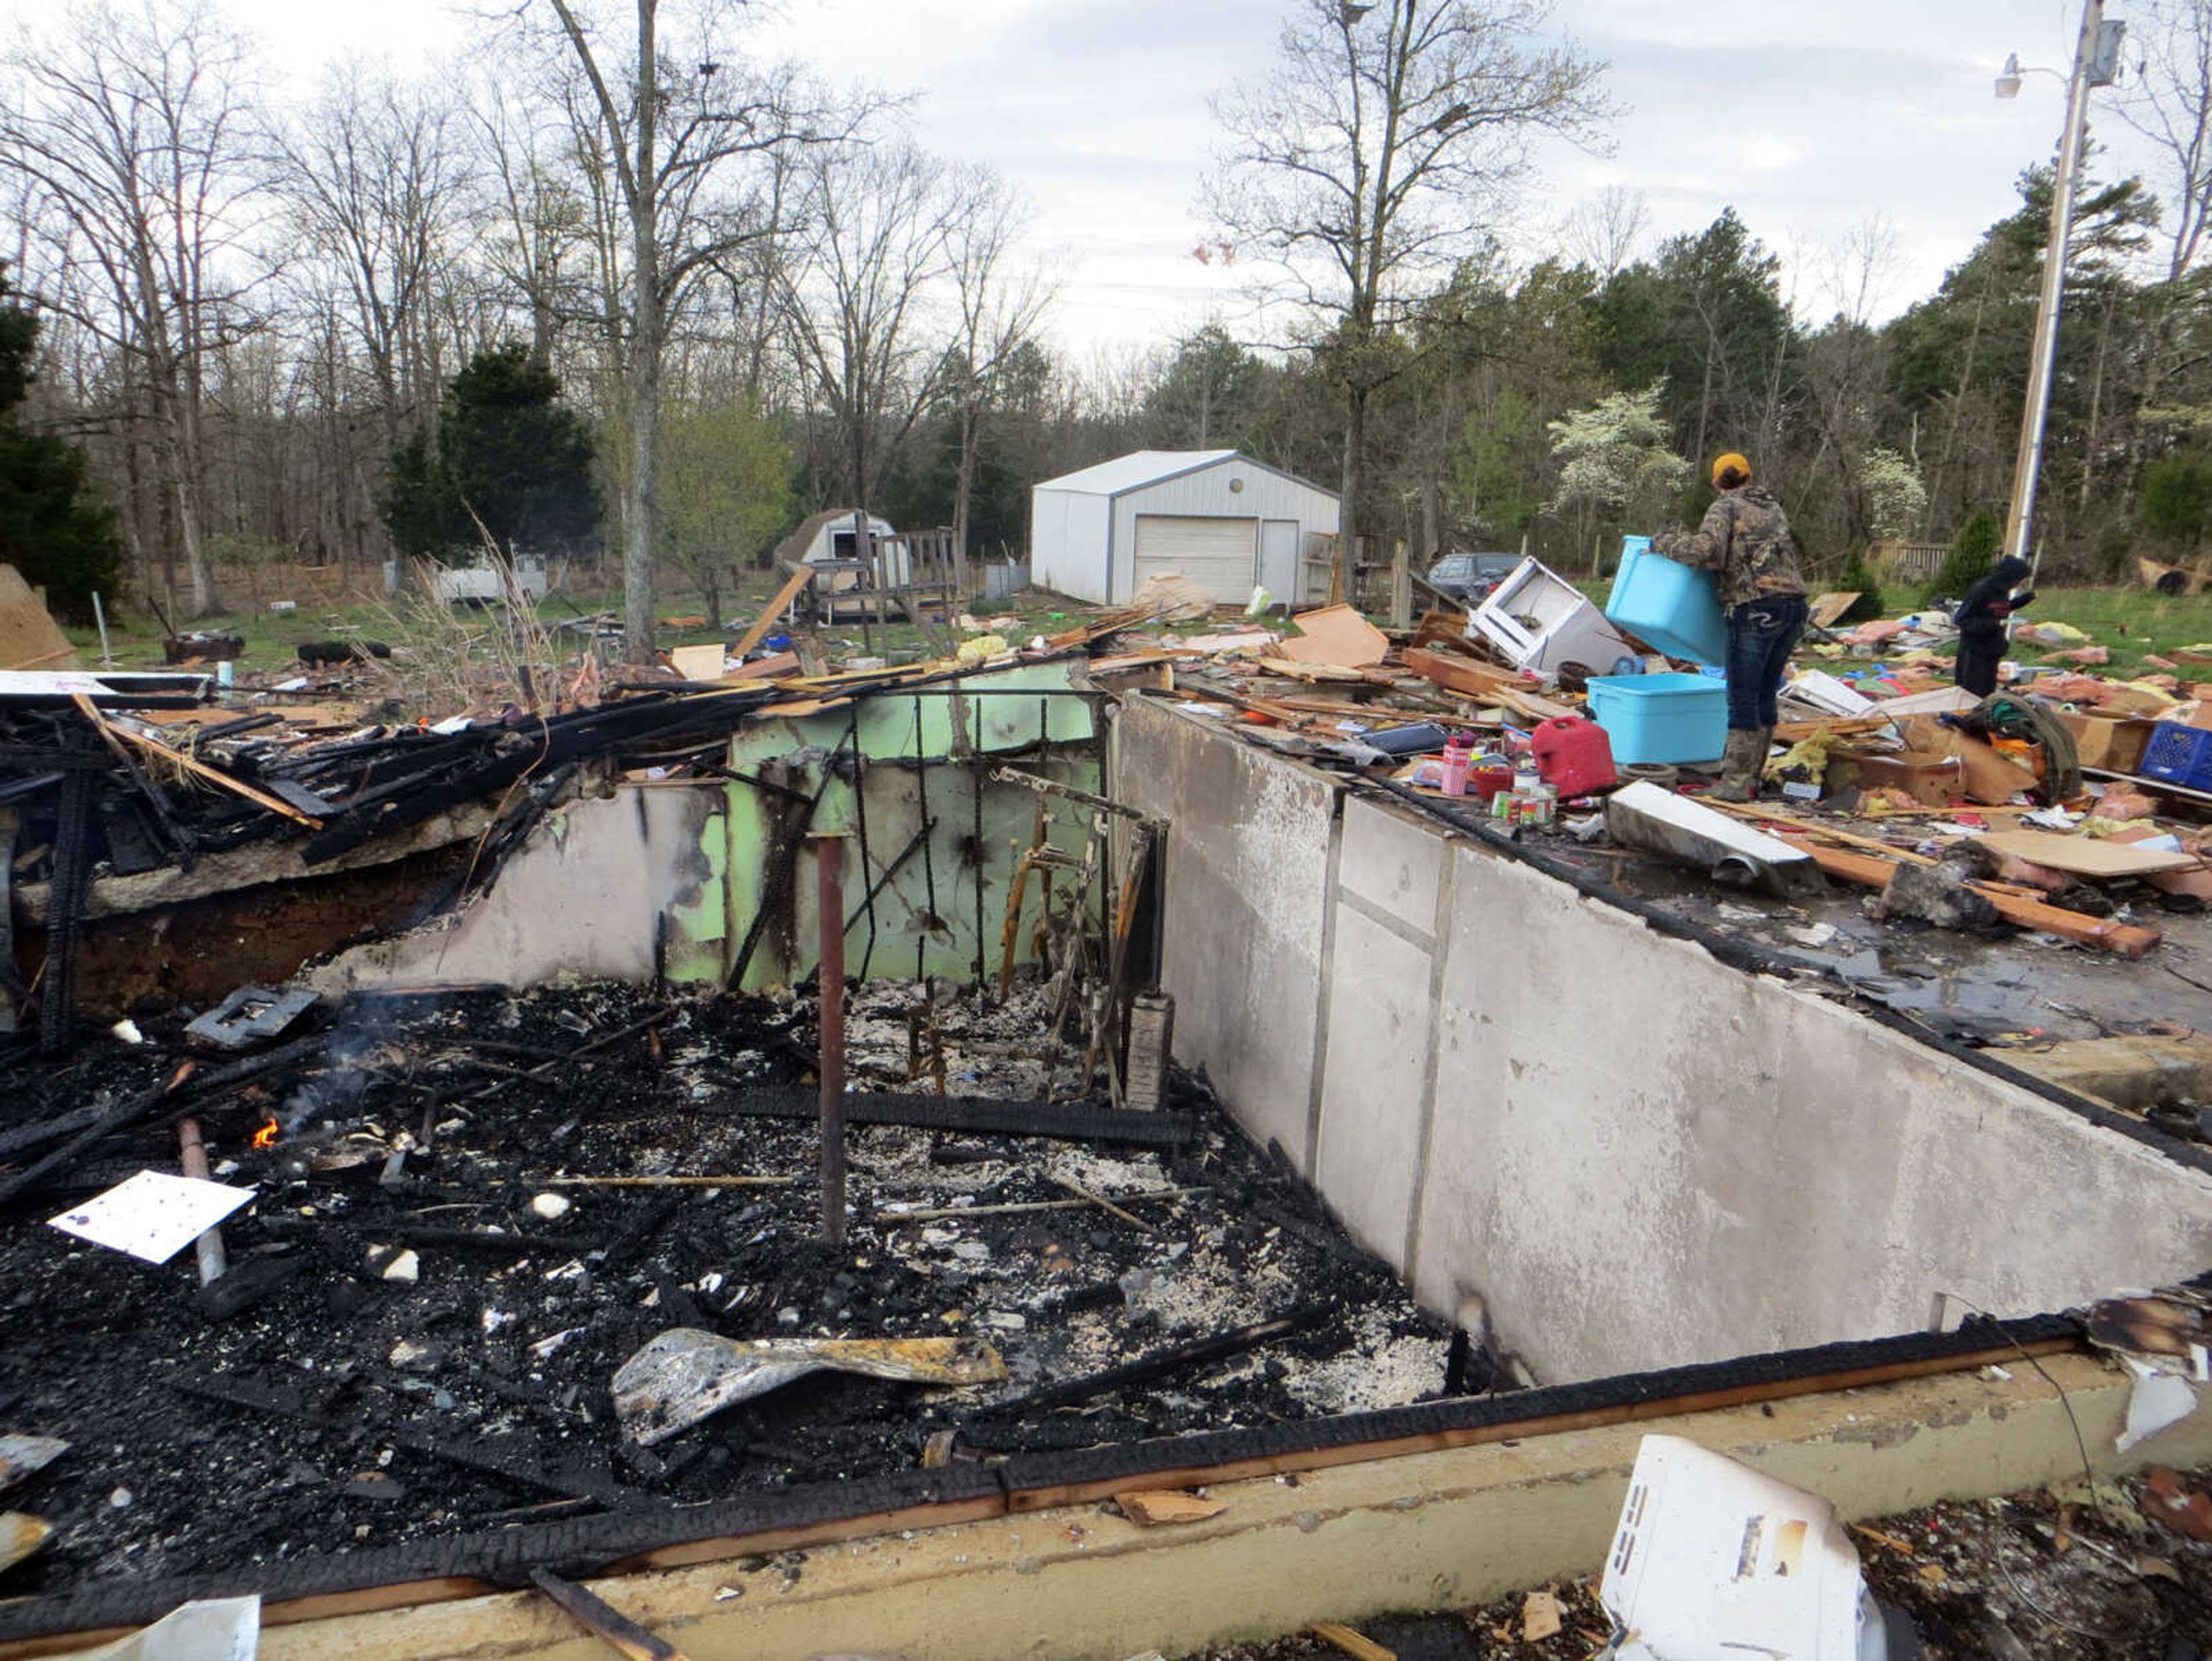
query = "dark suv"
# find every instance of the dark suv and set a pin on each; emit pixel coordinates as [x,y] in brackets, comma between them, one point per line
[1469,578]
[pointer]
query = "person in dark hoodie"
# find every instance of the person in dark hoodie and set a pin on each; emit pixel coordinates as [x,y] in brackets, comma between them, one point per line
[1745,539]
[1981,619]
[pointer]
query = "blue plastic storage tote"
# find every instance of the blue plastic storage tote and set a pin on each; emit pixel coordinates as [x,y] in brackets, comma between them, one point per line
[1660,718]
[1673,606]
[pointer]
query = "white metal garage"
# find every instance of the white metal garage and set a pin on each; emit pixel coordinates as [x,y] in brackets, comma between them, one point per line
[1215,516]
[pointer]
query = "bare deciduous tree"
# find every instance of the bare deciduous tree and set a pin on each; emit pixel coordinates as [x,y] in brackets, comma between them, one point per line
[1605,231]
[379,180]
[880,221]
[1381,145]
[999,309]
[678,118]
[2170,104]
[133,129]
[536,208]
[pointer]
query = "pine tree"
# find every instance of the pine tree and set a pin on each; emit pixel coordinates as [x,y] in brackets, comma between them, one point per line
[1973,556]
[52,529]
[509,457]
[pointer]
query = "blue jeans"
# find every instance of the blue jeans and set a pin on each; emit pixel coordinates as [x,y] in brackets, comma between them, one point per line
[1760,634]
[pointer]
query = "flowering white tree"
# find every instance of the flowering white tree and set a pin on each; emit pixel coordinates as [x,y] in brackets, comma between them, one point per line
[1896,499]
[1613,457]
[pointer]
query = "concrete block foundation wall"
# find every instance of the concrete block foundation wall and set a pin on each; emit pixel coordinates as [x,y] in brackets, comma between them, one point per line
[1626,1153]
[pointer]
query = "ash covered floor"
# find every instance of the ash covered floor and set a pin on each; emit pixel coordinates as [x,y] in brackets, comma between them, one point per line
[348,1409]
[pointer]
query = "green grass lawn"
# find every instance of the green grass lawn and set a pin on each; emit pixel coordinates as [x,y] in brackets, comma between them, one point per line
[273,637]
[2128,622]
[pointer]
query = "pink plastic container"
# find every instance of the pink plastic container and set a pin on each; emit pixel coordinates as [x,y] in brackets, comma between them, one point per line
[1455,759]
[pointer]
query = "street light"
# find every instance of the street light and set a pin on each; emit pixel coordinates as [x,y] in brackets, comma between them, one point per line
[2096,63]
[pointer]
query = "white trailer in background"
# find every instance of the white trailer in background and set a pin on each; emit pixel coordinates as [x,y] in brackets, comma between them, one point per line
[485,583]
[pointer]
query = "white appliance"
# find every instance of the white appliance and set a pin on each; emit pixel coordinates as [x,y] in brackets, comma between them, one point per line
[1539,621]
[1712,1561]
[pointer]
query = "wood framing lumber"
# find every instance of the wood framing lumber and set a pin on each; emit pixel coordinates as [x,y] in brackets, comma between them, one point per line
[2129,939]
[766,621]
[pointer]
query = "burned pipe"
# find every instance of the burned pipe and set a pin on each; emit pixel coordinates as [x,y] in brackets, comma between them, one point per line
[214,1262]
[829,905]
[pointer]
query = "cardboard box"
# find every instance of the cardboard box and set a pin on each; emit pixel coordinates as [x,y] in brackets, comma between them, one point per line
[1933,780]
[2132,700]
[1990,779]
[2114,743]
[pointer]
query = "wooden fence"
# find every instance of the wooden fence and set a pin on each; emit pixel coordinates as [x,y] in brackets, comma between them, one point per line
[1916,561]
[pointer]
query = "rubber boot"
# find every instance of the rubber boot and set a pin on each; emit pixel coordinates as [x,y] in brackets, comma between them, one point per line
[1740,766]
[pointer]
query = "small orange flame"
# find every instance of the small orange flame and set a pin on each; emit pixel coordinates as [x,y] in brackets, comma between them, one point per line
[266,1136]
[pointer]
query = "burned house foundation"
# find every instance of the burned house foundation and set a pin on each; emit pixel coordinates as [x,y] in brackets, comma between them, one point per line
[1617,1147]
[1469,1174]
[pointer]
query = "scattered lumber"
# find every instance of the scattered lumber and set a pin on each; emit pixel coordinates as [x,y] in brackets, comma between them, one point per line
[1478,680]
[1310,672]
[1769,814]
[760,625]
[1357,1645]
[1868,870]
[200,770]
[1836,726]
[1441,627]
[605,1621]
[1106,1205]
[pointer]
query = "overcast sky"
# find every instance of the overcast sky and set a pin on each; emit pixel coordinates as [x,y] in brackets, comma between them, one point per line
[1813,119]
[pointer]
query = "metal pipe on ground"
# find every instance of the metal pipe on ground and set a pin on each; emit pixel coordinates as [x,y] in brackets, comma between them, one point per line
[214,1262]
[829,905]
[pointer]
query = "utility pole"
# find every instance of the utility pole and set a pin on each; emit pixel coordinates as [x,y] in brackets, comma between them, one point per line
[2096,62]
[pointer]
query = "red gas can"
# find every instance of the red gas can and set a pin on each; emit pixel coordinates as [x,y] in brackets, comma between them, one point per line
[1575,756]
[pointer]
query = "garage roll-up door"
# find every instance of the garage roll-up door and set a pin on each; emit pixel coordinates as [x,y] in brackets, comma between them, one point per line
[1218,555]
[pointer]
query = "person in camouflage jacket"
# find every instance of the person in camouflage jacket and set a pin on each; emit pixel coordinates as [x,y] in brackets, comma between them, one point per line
[1746,542]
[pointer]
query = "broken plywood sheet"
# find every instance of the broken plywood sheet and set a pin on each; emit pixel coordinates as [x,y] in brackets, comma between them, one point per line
[765,668]
[2084,856]
[698,663]
[1336,634]
[1828,609]
[29,637]
[1311,672]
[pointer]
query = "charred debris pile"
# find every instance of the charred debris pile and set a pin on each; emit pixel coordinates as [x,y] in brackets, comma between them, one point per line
[140,772]
[477,1216]
[108,775]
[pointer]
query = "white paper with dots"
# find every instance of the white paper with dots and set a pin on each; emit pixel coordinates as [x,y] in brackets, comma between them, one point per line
[152,1215]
